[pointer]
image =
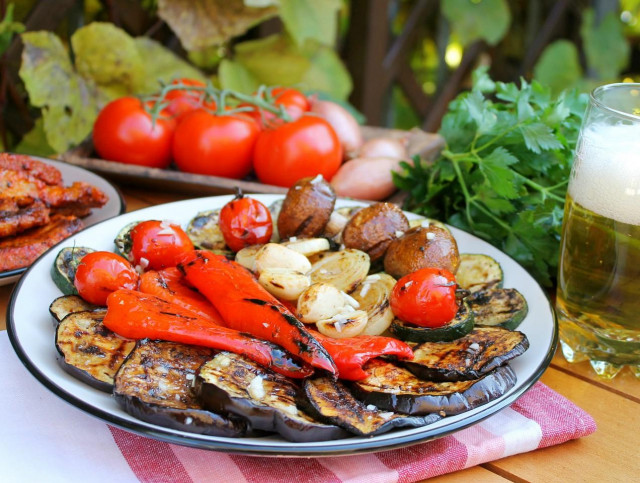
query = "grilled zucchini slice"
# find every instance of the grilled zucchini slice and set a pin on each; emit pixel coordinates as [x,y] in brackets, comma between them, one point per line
[205,233]
[460,326]
[331,401]
[154,385]
[478,272]
[67,304]
[88,350]
[344,269]
[234,384]
[63,270]
[123,240]
[504,307]
[395,388]
[470,357]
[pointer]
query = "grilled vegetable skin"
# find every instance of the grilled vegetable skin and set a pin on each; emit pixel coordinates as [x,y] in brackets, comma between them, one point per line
[154,385]
[139,316]
[395,388]
[373,228]
[461,325]
[64,267]
[204,231]
[504,307]
[246,306]
[67,304]
[88,350]
[233,384]
[306,209]
[331,401]
[421,247]
[478,272]
[470,357]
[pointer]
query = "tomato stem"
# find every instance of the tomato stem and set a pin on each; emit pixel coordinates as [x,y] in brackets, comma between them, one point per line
[262,99]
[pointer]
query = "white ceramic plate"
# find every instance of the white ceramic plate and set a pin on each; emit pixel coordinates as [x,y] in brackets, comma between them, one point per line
[114,207]
[32,335]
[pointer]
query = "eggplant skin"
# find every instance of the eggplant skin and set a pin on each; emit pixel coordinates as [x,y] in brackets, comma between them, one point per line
[234,384]
[330,400]
[88,350]
[395,388]
[469,357]
[154,384]
[67,304]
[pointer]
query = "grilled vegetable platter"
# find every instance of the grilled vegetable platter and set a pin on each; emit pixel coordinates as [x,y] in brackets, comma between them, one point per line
[311,337]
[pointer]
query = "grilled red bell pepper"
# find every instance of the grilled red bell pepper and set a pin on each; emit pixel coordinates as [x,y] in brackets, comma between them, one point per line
[247,307]
[136,315]
[169,284]
[351,353]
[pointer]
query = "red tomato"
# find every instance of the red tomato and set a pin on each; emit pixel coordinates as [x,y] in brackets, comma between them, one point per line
[124,132]
[182,102]
[215,145]
[100,273]
[158,244]
[244,222]
[426,297]
[294,102]
[294,150]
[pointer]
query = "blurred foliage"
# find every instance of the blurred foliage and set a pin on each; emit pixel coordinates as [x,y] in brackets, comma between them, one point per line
[592,46]
[103,50]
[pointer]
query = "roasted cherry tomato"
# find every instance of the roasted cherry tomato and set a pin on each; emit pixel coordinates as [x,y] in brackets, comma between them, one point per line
[100,273]
[215,145]
[293,101]
[124,132]
[182,102]
[158,244]
[426,297]
[295,150]
[244,222]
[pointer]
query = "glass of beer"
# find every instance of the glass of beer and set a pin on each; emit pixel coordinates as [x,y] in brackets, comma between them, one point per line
[598,297]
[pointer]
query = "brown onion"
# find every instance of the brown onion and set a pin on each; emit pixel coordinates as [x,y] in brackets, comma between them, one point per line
[384,148]
[366,178]
[342,122]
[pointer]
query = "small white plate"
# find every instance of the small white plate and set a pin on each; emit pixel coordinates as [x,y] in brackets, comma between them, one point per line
[114,207]
[32,335]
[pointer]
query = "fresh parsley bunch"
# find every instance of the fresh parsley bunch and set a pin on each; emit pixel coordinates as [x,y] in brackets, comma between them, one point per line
[504,170]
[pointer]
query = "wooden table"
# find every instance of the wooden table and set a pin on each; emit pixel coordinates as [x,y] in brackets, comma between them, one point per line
[610,454]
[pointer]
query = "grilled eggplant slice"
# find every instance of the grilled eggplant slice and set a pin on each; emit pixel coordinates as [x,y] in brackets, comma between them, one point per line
[504,307]
[88,350]
[395,388]
[154,384]
[67,304]
[470,357]
[331,401]
[232,383]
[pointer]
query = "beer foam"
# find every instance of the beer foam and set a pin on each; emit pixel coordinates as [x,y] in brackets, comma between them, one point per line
[606,174]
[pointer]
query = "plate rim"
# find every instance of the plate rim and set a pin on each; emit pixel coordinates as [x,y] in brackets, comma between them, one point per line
[122,208]
[278,448]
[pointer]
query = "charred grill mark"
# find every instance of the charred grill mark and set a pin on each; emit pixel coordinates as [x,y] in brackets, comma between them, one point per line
[180,316]
[303,226]
[257,301]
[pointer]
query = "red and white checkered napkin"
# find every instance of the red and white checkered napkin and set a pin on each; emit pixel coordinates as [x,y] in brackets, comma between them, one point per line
[44,439]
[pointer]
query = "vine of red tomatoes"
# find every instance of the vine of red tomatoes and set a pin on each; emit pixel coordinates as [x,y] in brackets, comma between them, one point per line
[220,133]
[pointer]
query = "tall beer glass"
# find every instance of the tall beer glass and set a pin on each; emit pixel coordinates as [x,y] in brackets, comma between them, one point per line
[598,298]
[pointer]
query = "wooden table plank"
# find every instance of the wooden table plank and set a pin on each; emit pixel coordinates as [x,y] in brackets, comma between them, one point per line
[476,474]
[607,455]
